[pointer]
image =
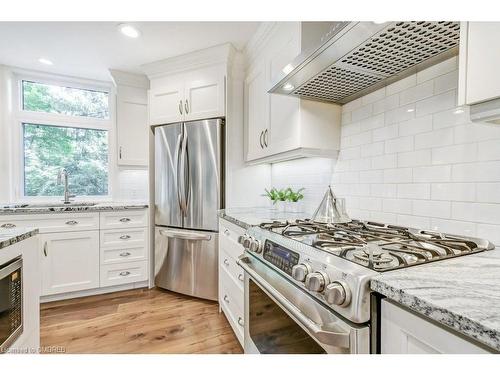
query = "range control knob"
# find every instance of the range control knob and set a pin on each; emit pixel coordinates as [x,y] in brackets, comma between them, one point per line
[338,293]
[316,281]
[241,239]
[247,241]
[300,271]
[255,246]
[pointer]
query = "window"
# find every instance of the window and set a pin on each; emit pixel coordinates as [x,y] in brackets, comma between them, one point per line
[82,152]
[62,125]
[41,97]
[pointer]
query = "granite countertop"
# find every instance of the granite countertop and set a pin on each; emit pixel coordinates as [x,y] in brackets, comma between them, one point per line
[39,208]
[247,217]
[461,293]
[11,236]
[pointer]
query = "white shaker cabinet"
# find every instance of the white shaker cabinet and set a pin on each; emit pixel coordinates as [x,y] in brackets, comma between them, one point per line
[479,61]
[193,95]
[280,127]
[70,261]
[404,332]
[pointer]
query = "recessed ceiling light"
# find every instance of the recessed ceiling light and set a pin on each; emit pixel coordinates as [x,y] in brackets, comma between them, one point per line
[45,61]
[288,87]
[129,30]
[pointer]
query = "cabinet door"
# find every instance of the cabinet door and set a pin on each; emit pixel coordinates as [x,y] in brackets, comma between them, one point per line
[283,134]
[483,59]
[70,262]
[256,111]
[166,97]
[204,93]
[132,126]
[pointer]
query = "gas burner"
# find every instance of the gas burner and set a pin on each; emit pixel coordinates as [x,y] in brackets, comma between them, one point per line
[375,258]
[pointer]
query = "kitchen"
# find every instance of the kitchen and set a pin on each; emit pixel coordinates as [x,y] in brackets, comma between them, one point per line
[274,187]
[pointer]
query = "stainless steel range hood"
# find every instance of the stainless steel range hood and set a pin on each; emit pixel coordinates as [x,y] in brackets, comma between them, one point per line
[356,58]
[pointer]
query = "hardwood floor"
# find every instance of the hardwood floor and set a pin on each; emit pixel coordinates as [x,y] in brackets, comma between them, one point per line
[137,321]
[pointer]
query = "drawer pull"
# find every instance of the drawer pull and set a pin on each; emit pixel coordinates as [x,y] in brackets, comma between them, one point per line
[125,219]
[227,232]
[125,254]
[72,222]
[241,322]
[226,262]
[8,225]
[241,277]
[124,273]
[226,298]
[45,246]
[125,237]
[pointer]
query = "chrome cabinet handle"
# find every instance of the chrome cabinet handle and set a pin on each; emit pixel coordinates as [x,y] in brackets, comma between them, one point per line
[125,237]
[120,152]
[227,232]
[226,299]
[260,140]
[72,222]
[125,219]
[240,321]
[125,254]
[8,225]
[265,138]
[226,262]
[241,277]
[45,249]
[124,273]
[180,107]
[186,106]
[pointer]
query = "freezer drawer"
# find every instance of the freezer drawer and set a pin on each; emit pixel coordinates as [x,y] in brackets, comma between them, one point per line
[186,261]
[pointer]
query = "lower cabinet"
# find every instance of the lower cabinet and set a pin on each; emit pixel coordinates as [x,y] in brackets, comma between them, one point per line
[70,262]
[231,277]
[404,332]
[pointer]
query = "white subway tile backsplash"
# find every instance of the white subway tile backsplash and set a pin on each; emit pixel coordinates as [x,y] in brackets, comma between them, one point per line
[464,228]
[386,132]
[414,221]
[384,161]
[446,82]
[406,112]
[373,97]
[439,209]
[384,105]
[368,177]
[351,129]
[488,192]
[414,191]
[436,103]
[352,105]
[476,132]
[398,175]
[401,144]
[450,117]
[346,118]
[384,190]
[488,171]
[439,173]
[372,204]
[454,191]
[455,154]
[414,158]
[350,153]
[373,149]
[487,213]
[401,85]
[416,126]
[489,232]
[373,122]
[488,150]
[362,112]
[436,138]
[383,217]
[419,92]
[397,206]
[437,70]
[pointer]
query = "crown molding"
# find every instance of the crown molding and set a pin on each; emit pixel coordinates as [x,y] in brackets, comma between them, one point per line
[220,54]
[129,79]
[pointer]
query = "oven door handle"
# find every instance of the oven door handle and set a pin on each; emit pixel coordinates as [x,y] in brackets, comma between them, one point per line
[326,336]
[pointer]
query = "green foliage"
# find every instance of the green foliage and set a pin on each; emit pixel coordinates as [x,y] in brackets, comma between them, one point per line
[82,152]
[40,97]
[284,195]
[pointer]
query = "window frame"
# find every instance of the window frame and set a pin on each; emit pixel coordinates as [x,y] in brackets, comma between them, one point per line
[21,117]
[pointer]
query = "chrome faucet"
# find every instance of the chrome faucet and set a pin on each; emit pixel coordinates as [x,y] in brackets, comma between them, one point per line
[63,174]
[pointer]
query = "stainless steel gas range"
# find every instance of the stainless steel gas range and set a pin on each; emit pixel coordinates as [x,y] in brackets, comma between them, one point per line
[307,285]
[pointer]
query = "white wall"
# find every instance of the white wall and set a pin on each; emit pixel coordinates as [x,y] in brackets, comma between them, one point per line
[409,156]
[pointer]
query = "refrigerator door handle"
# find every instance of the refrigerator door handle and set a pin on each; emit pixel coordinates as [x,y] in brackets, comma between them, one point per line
[177,174]
[185,235]
[182,178]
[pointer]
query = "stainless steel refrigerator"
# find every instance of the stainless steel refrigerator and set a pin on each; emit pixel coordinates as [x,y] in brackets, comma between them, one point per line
[189,190]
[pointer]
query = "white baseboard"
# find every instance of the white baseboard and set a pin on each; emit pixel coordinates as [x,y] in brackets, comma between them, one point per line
[96,291]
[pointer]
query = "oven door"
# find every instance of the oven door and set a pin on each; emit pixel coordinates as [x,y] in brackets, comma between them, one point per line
[282,319]
[11,303]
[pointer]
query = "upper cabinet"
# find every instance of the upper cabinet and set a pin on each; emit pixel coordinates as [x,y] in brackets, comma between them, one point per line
[479,61]
[189,87]
[131,118]
[282,127]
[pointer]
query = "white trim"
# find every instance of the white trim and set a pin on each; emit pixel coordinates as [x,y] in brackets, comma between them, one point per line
[20,116]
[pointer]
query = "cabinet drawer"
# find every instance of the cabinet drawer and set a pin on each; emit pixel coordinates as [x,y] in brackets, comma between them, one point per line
[123,254]
[231,293]
[123,237]
[123,273]
[229,264]
[124,219]
[228,239]
[51,223]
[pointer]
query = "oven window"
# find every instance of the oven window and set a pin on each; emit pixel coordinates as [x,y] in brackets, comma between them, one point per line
[272,330]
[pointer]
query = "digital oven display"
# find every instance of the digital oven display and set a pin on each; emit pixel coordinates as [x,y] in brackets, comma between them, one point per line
[280,257]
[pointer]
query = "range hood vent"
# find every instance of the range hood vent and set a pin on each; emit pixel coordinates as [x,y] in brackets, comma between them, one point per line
[360,57]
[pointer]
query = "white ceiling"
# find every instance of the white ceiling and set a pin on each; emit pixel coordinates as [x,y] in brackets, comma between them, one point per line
[89,49]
